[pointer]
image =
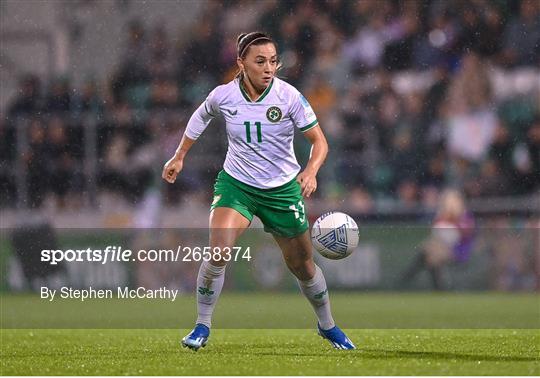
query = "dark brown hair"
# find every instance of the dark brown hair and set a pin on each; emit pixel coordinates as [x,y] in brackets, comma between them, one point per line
[245,40]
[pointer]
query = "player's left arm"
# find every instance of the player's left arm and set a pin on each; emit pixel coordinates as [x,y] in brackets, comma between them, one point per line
[319,149]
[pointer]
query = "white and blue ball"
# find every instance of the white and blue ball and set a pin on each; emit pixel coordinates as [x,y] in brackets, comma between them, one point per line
[335,235]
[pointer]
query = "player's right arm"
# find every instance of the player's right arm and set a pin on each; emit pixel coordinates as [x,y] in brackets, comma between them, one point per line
[174,165]
[196,125]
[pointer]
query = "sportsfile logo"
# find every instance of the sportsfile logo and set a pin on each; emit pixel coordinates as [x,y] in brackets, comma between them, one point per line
[120,254]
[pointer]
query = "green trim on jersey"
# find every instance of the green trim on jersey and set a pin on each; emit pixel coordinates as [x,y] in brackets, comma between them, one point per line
[311,125]
[242,90]
[281,209]
[266,91]
[261,97]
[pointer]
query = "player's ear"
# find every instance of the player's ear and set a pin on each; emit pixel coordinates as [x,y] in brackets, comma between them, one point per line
[240,64]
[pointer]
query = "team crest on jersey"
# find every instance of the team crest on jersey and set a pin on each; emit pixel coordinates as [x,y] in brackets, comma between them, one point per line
[274,114]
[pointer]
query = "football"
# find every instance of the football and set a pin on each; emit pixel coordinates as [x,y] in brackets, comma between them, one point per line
[335,235]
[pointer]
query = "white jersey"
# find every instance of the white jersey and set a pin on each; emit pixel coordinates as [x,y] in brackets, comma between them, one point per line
[260,133]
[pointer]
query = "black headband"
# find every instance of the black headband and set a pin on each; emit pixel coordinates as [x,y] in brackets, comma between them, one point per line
[250,43]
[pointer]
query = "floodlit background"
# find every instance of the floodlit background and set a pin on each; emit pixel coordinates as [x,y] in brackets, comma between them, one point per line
[414,96]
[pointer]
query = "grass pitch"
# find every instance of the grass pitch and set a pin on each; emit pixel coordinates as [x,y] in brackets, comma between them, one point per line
[399,351]
[270,352]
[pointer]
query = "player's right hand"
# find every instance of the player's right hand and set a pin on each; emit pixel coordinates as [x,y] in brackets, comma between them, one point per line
[171,169]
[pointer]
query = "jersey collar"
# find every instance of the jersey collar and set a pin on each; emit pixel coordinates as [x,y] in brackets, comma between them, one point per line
[261,97]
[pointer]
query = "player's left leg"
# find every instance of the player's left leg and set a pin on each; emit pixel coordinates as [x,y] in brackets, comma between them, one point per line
[298,255]
[282,211]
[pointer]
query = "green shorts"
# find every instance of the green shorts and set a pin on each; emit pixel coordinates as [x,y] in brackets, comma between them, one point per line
[281,209]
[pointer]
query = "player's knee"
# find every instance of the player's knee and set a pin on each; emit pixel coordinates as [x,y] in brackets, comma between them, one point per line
[222,239]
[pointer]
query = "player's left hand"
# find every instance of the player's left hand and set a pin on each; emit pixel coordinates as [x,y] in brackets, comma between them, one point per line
[308,183]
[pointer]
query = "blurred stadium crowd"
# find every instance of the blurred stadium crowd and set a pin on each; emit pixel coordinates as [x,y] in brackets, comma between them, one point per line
[414,96]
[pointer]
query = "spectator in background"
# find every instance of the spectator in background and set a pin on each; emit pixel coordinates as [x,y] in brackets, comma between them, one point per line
[36,161]
[533,143]
[470,90]
[433,174]
[490,42]
[401,35]
[165,94]
[290,39]
[407,140]
[7,158]
[522,36]
[499,164]
[113,174]
[527,159]
[365,51]
[329,65]
[61,165]
[126,157]
[435,96]
[200,56]
[321,95]
[89,99]
[472,30]
[164,91]
[405,166]
[407,193]
[386,108]
[450,241]
[471,119]
[340,12]
[162,62]
[28,100]
[59,97]
[133,70]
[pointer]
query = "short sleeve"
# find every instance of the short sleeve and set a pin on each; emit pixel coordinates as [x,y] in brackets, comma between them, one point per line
[302,114]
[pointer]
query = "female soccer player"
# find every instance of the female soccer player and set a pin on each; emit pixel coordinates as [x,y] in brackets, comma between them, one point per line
[259,178]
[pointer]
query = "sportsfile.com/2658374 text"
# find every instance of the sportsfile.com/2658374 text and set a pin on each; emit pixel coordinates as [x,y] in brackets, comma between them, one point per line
[119,254]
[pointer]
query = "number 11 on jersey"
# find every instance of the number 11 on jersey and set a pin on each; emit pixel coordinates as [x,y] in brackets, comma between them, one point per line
[248,131]
[297,212]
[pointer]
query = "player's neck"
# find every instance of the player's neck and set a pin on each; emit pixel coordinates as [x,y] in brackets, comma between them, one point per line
[253,92]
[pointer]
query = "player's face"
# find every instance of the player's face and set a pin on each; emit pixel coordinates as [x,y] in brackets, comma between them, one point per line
[260,64]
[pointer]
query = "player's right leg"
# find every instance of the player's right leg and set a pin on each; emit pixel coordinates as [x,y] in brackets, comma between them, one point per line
[226,225]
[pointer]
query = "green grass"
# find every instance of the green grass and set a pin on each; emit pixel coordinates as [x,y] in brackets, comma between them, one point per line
[270,352]
[268,310]
[396,334]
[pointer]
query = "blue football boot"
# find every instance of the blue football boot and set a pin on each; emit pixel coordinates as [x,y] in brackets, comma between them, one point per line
[197,338]
[336,337]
